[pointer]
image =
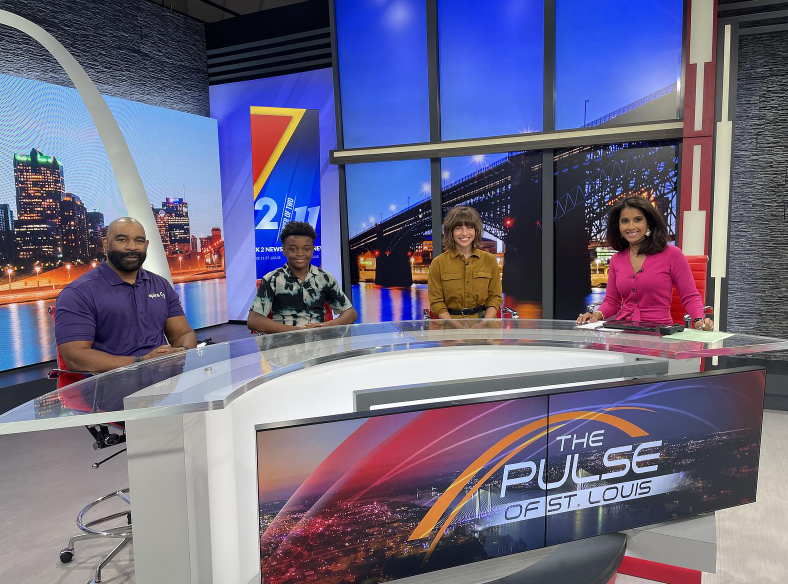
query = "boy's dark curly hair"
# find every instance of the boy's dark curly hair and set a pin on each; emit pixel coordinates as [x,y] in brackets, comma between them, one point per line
[297,228]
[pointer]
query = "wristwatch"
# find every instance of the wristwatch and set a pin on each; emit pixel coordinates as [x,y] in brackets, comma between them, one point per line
[138,359]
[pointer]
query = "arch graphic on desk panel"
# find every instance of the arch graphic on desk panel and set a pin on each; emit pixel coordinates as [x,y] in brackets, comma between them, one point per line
[126,173]
[430,521]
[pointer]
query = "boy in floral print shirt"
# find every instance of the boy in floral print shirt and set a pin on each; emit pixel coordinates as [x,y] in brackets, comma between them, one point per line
[294,296]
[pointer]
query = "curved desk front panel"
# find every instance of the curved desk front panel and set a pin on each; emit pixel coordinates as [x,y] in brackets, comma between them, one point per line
[192,419]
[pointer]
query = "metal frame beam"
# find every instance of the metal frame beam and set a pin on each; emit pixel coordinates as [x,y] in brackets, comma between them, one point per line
[649,131]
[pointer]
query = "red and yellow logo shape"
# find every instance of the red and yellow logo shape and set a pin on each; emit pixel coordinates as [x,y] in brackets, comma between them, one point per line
[272,128]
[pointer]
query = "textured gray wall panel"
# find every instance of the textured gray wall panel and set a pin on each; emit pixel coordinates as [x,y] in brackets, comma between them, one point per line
[132,49]
[758,275]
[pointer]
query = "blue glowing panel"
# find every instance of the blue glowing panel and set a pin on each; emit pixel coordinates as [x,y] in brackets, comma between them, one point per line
[491,67]
[378,190]
[382,50]
[617,61]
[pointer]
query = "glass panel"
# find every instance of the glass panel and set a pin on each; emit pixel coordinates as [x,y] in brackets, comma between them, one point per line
[214,376]
[382,52]
[491,67]
[389,220]
[506,191]
[588,180]
[616,62]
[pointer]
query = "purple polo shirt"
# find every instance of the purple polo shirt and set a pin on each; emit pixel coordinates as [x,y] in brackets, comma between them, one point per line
[118,318]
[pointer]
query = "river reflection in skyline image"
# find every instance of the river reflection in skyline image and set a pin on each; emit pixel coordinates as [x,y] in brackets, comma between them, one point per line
[28,337]
[381,304]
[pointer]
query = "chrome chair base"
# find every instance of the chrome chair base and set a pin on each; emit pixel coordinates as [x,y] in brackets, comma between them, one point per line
[89,532]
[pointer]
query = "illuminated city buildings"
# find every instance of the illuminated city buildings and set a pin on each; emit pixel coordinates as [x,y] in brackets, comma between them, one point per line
[172,219]
[39,190]
[96,231]
[53,226]
[177,225]
[74,228]
[6,233]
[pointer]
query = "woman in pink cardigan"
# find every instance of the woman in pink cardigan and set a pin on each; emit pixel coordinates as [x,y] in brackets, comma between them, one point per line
[644,271]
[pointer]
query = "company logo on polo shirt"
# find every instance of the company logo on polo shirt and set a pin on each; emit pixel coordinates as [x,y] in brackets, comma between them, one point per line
[156,295]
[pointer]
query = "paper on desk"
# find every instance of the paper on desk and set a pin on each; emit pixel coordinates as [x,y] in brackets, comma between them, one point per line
[696,335]
[591,325]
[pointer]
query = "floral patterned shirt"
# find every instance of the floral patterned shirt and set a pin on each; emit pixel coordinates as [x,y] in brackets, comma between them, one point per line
[284,298]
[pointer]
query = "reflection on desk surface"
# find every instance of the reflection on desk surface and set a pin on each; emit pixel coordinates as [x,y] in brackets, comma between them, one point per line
[206,378]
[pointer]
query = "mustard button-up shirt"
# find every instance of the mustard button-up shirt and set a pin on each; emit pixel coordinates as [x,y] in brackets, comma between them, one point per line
[456,283]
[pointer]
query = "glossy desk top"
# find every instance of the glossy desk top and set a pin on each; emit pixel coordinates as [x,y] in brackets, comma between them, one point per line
[212,377]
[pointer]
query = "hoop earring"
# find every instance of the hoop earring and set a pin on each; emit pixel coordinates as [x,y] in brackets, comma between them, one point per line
[648,232]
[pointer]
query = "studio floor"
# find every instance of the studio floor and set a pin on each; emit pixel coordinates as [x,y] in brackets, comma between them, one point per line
[46,478]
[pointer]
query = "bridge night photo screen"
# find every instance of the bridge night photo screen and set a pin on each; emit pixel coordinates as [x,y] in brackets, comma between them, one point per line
[391,248]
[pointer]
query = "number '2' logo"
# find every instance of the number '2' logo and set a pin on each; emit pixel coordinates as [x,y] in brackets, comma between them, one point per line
[270,208]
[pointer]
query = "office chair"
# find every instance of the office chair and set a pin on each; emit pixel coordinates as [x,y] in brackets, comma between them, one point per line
[698,266]
[73,398]
[503,312]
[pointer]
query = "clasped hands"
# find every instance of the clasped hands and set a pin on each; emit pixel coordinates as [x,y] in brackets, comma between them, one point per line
[163,350]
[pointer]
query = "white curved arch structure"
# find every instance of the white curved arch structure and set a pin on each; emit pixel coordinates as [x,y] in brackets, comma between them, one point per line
[123,167]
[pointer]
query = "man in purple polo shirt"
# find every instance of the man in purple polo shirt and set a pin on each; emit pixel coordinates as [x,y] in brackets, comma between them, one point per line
[118,313]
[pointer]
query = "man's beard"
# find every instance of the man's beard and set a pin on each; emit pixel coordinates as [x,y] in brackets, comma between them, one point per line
[116,258]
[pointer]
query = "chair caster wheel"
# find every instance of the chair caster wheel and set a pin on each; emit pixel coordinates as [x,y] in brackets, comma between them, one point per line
[66,556]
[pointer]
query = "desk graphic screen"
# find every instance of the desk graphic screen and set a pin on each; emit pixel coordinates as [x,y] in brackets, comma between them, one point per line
[376,498]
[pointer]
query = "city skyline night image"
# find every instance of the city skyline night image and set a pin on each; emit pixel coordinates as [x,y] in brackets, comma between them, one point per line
[58,193]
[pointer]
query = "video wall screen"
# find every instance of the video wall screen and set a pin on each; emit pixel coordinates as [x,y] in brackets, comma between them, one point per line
[382,54]
[377,498]
[588,181]
[506,191]
[491,67]
[391,243]
[286,175]
[617,62]
[58,194]
[230,106]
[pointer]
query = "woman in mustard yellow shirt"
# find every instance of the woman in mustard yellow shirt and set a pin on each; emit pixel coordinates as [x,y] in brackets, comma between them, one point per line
[464,281]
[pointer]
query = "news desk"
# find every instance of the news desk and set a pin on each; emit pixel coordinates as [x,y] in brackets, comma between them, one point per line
[191,419]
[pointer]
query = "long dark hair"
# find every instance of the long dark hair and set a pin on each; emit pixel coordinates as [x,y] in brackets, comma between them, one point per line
[654,243]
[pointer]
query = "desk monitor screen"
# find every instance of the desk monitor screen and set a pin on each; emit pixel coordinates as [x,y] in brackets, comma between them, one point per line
[372,498]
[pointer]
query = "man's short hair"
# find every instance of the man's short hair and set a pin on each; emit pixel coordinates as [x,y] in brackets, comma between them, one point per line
[297,228]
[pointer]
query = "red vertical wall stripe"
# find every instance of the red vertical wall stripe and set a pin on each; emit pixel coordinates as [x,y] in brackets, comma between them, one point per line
[705,136]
